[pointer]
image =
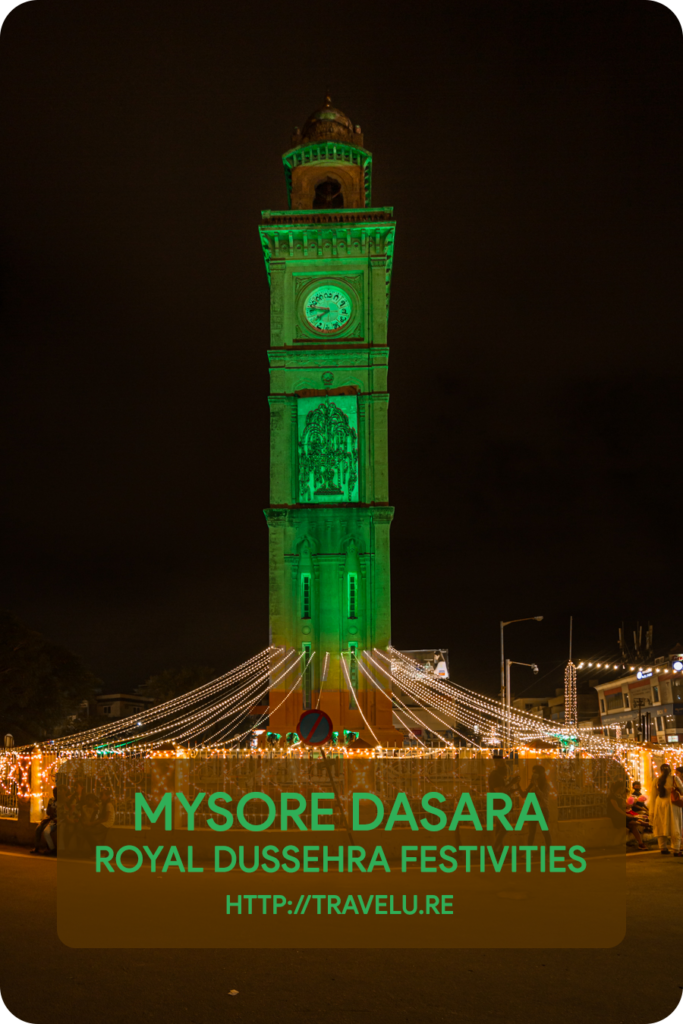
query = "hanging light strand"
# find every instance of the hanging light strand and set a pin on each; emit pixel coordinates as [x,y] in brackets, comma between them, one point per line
[396,699]
[393,680]
[354,695]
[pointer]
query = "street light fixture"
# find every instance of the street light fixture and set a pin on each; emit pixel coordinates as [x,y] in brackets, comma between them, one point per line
[530,618]
[508,693]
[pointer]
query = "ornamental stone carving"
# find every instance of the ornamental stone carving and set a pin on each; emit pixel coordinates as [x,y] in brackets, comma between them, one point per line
[328,454]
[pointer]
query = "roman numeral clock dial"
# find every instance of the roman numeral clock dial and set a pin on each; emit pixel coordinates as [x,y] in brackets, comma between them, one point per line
[328,308]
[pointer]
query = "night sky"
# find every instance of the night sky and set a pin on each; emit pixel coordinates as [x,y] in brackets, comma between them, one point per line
[534,157]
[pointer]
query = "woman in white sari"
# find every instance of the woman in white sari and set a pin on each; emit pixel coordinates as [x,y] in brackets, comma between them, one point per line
[666,815]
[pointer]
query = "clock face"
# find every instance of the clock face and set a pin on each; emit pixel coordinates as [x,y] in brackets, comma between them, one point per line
[328,308]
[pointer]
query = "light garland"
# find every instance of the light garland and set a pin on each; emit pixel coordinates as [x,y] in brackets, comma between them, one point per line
[487,704]
[266,714]
[428,700]
[430,710]
[417,683]
[198,723]
[396,699]
[407,672]
[243,671]
[570,699]
[355,697]
[127,729]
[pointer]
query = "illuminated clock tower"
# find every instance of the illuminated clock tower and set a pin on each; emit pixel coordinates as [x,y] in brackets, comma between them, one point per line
[328,259]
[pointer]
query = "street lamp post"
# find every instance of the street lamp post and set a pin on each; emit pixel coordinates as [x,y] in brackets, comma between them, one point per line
[508,693]
[530,618]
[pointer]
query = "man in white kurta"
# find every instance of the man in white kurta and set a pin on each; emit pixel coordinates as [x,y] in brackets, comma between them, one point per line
[666,818]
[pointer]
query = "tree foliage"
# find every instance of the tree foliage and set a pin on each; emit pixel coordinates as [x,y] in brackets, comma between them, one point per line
[41,683]
[85,719]
[173,682]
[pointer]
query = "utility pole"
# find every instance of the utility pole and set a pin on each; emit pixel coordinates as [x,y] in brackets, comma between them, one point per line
[529,618]
[638,704]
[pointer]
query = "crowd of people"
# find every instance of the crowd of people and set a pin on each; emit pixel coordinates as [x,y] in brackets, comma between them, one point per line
[659,814]
[500,781]
[78,822]
[84,817]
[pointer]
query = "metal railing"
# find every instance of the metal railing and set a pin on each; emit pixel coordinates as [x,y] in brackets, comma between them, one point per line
[9,803]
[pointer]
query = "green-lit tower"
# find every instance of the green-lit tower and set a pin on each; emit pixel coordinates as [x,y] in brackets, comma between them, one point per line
[328,259]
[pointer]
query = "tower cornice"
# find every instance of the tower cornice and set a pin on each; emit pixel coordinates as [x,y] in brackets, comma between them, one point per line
[342,216]
[308,235]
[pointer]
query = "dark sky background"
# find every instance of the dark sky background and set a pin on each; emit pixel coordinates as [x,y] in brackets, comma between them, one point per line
[533,154]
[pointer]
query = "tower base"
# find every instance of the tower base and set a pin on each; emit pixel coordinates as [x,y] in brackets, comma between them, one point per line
[386,737]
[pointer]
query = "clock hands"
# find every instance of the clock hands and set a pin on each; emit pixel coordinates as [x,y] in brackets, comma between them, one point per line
[316,314]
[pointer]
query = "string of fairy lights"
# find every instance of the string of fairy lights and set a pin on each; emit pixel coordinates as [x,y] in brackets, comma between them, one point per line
[252,674]
[474,710]
[570,697]
[396,700]
[353,693]
[223,714]
[236,739]
[450,726]
[173,722]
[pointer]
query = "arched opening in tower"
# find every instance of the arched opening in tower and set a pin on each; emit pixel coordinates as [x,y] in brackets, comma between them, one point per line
[328,194]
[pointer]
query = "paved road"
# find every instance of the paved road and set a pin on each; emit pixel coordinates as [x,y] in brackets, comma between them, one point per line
[44,982]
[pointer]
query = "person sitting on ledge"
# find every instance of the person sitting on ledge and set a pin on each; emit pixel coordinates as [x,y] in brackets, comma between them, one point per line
[50,834]
[618,810]
[51,815]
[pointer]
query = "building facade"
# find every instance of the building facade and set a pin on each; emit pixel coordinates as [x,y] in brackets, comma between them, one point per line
[647,702]
[553,708]
[121,705]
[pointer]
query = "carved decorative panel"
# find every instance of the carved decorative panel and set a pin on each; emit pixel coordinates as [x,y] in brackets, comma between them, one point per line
[328,449]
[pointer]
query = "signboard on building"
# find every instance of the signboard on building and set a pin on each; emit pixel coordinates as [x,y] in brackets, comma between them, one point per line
[434,660]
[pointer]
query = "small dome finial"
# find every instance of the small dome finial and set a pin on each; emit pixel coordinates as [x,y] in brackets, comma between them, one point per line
[328,123]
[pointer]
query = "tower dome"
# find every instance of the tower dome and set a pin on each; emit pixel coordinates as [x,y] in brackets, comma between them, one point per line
[327,166]
[329,123]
